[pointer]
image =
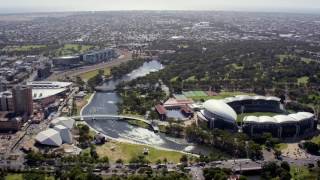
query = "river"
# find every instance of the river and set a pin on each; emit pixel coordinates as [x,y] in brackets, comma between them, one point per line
[106,103]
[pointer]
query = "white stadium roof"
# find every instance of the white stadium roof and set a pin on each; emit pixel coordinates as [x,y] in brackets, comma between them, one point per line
[64,121]
[49,137]
[64,133]
[247,97]
[279,119]
[220,108]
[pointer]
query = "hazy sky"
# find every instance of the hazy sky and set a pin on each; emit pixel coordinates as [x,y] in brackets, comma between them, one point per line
[88,5]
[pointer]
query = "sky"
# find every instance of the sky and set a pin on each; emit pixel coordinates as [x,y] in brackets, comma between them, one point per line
[7,6]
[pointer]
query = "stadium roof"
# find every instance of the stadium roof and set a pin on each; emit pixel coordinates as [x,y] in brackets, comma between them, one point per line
[279,119]
[49,137]
[247,97]
[220,108]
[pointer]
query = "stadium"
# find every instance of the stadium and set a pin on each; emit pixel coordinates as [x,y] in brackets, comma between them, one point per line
[282,126]
[222,114]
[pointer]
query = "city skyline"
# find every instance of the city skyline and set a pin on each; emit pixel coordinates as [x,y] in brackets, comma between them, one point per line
[298,6]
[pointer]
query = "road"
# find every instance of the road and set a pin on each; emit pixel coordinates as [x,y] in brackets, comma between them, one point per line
[124,57]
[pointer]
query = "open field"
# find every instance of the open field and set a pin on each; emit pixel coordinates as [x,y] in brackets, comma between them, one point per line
[125,151]
[87,75]
[19,176]
[302,173]
[303,80]
[71,49]
[23,48]
[241,116]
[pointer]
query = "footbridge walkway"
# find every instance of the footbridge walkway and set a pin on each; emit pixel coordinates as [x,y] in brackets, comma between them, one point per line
[115,117]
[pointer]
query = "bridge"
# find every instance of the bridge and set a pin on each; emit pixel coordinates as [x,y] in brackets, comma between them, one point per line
[115,116]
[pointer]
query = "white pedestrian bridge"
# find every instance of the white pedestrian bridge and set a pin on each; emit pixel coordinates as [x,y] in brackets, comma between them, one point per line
[94,117]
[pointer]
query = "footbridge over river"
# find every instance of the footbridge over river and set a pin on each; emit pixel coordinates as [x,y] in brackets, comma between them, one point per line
[94,117]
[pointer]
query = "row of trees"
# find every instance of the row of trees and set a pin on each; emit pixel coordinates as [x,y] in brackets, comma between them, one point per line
[234,144]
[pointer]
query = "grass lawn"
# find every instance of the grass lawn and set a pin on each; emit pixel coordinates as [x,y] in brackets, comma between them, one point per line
[19,176]
[24,47]
[86,76]
[126,151]
[284,56]
[221,95]
[302,173]
[241,116]
[70,49]
[281,146]
[316,139]
[303,80]
[139,123]
[236,66]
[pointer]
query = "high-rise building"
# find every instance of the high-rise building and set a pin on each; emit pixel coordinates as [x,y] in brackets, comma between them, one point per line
[6,101]
[22,99]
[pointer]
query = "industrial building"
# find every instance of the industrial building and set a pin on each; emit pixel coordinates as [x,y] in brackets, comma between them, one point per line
[282,126]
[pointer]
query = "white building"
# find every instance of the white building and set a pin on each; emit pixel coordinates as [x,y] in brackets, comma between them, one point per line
[64,133]
[49,137]
[64,121]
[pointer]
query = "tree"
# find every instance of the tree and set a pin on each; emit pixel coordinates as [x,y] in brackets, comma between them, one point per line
[184,159]
[285,165]
[277,153]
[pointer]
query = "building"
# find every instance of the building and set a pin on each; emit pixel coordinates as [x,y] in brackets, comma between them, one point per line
[44,71]
[217,114]
[49,137]
[66,62]
[248,104]
[47,92]
[9,122]
[22,100]
[162,112]
[282,126]
[64,133]
[64,121]
[6,101]
[99,56]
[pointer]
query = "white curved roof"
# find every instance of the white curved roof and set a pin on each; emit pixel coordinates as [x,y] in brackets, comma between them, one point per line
[291,118]
[244,97]
[247,97]
[251,119]
[259,97]
[221,109]
[49,137]
[267,119]
[64,121]
[306,114]
[284,119]
[272,98]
